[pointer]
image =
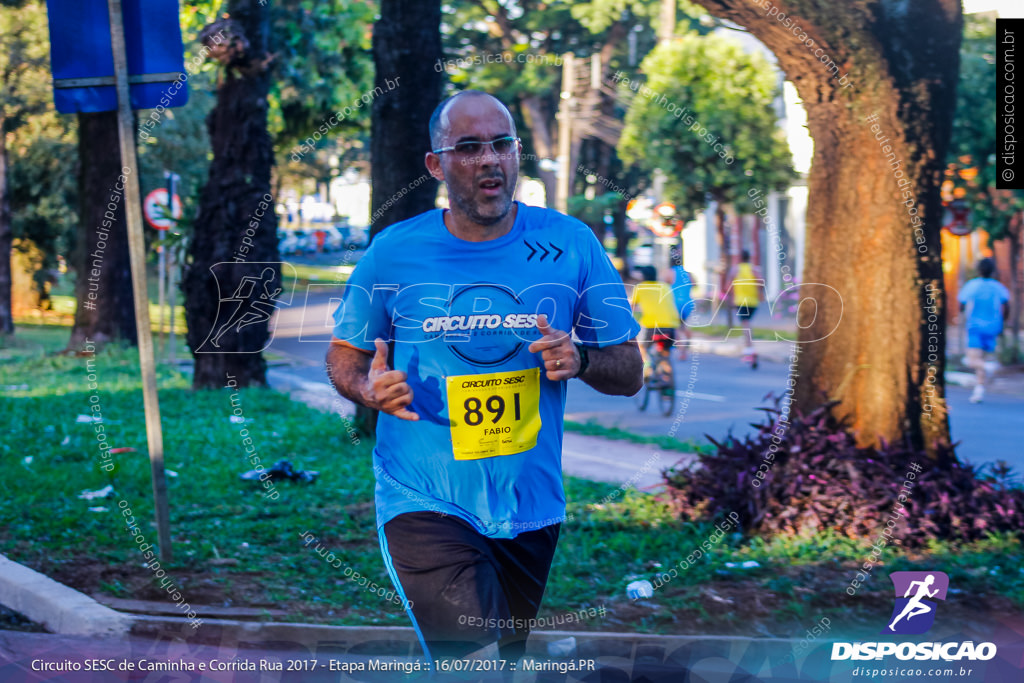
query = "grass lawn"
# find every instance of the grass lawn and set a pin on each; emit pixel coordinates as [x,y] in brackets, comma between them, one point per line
[718,332]
[306,274]
[296,277]
[235,547]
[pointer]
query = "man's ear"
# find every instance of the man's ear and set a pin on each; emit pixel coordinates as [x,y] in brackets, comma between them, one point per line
[433,163]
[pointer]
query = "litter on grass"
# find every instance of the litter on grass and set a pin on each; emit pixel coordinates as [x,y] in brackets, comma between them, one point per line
[281,470]
[749,564]
[98,493]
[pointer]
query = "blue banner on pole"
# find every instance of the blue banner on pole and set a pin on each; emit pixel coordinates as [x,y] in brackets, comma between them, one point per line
[83,63]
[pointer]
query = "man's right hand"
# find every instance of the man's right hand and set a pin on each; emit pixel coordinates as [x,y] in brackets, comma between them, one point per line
[387,390]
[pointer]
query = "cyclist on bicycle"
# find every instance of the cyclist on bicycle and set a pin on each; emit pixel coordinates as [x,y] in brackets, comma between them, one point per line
[654,308]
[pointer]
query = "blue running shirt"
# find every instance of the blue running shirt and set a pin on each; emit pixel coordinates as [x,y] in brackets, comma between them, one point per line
[488,445]
[984,298]
[681,290]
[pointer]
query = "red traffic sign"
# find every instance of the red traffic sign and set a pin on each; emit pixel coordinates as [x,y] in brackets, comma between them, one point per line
[958,214]
[665,209]
[154,207]
[670,228]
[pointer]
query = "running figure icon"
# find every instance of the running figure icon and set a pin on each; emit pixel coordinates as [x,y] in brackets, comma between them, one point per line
[249,309]
[915,607]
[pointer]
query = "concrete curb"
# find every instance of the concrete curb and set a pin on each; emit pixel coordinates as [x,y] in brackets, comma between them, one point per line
[65,611]
[60,609]
[401,641]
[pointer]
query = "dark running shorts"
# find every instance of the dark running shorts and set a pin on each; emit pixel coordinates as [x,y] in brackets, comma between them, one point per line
[467,591]
[745,312]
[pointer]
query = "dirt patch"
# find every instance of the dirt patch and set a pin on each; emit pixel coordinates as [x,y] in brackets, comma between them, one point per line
[213,587]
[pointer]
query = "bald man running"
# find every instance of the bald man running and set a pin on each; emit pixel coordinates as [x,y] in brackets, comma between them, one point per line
[456,325]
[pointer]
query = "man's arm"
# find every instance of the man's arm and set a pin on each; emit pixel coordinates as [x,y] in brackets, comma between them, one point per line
[364,378]
[616,370]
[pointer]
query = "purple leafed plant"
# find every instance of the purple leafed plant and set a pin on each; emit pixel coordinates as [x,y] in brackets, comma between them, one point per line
[813,477]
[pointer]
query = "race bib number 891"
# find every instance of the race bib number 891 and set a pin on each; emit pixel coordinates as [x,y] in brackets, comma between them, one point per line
[494,414]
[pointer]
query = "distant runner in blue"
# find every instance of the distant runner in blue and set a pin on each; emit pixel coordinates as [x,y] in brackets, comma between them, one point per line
[985,301]
[458,325]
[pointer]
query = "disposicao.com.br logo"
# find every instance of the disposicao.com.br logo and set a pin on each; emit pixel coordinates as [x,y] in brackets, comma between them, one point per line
[914,614]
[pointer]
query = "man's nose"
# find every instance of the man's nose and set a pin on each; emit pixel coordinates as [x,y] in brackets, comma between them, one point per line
[489,156]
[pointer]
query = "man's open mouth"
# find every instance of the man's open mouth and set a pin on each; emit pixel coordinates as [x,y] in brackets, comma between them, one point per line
[490,184]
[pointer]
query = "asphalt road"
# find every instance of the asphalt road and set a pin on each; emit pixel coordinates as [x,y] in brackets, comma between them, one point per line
[727,397]
[726,394]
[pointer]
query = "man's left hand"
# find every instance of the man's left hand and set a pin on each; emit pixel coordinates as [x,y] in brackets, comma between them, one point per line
[560,357]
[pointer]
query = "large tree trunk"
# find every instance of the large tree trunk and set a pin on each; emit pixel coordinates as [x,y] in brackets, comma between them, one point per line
[885,360]
[6,240]
[103,273]
[406,46]
[234,276]
[538,118]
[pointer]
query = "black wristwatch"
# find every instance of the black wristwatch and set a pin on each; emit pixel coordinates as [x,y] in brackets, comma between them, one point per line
[584,359]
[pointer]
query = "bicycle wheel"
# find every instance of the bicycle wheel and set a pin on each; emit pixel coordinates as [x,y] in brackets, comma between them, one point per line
[666,386]
[642,397]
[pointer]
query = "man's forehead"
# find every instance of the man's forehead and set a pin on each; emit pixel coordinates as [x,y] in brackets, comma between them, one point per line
[476,115]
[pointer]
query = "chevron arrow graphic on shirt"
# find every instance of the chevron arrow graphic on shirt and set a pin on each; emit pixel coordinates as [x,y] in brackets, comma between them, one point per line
[533,252]
[547,252]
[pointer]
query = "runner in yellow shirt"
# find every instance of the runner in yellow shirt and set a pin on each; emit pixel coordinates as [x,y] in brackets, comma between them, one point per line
[747,285]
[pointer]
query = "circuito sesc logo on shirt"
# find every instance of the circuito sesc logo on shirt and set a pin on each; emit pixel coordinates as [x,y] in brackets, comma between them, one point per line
[486,325]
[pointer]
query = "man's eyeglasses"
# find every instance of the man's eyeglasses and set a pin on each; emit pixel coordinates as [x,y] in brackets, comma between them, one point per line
[470,148]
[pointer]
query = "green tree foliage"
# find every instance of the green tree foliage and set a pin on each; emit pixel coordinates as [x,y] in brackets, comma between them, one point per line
[320,64]
[42,185]
[974,131]
[513,50]
[37,188]
[705,117]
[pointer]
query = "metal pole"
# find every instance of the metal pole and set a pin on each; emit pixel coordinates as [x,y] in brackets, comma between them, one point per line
[565,133]
[137,253]
[161,276]
[172,191]
[165,277]
[172,274]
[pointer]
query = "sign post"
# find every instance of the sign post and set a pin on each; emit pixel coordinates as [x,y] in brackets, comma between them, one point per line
[174,211]
[137,256]
[96,67]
